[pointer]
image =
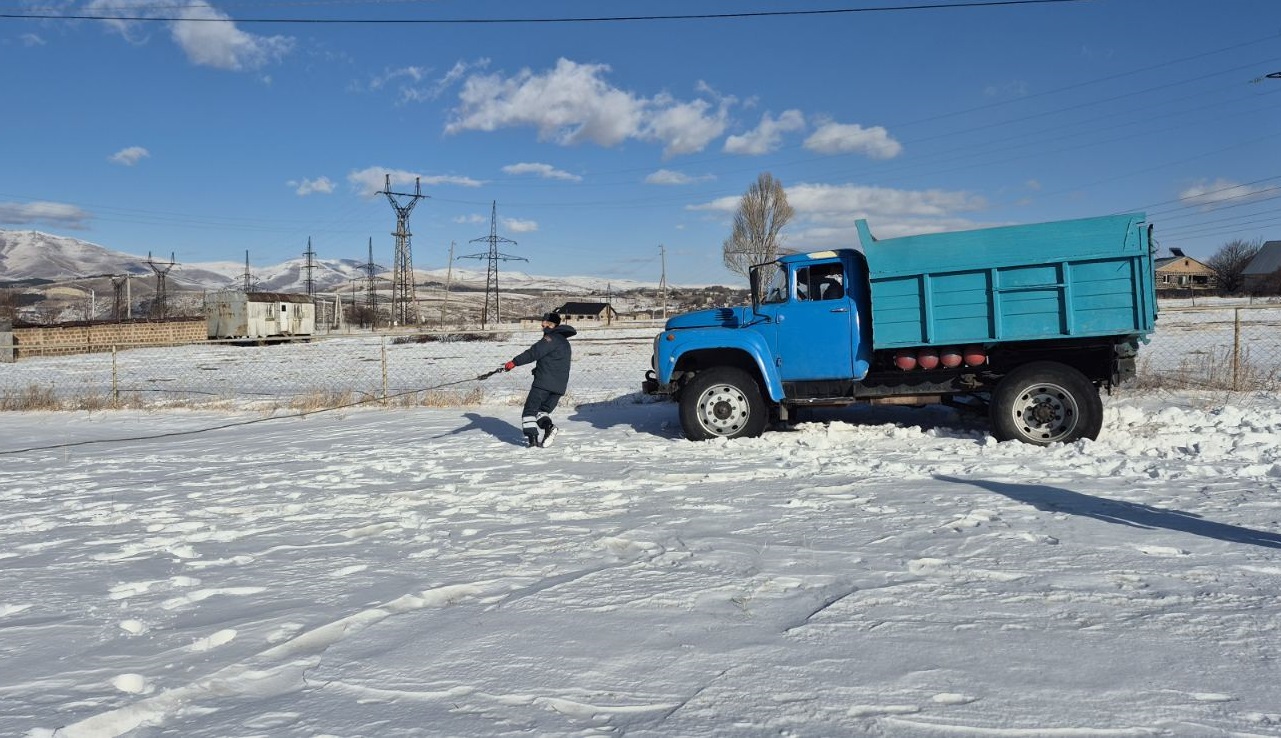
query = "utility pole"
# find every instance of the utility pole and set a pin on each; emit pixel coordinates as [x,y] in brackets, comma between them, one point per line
[159,303]
[402,274]
[449,276]
[490,311]
[662,282]
[307,267]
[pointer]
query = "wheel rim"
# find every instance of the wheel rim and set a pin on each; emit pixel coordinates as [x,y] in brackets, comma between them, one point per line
[723,409]
[1046,413]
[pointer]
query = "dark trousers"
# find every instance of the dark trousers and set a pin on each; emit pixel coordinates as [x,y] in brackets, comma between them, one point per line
[538,406]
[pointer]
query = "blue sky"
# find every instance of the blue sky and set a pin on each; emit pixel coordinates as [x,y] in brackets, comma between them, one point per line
[602,141]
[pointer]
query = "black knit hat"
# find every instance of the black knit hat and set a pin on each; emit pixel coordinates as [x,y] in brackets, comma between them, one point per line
[552,318]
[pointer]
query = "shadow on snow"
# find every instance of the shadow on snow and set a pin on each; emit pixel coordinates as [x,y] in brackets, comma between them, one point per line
[1056,499]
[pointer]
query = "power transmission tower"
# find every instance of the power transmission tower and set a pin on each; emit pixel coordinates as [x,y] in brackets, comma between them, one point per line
[402,275]
[491,276]
[122,306]
[247,279]
[159,303]
[307,267]
[371,291]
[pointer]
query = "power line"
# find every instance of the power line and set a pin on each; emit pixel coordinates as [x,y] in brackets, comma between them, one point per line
[509,21]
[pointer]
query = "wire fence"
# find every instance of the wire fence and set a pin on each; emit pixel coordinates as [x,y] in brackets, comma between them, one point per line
[1231,348]
[401,369]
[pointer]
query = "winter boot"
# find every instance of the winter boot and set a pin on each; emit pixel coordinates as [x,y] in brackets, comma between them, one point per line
[531,438]
[549,431]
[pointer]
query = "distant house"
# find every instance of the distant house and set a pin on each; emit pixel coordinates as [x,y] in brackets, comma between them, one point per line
[1183,273]
[587,312]
[1263,273]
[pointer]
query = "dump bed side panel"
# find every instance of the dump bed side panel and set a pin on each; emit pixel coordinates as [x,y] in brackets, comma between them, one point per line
[1081,278]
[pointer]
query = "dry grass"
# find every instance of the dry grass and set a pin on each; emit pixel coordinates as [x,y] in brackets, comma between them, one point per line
[31,397]
[1211,370]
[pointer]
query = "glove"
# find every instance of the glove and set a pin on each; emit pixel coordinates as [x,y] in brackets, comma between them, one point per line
[509,366]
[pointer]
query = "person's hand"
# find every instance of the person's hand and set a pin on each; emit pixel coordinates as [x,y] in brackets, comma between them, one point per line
[509,366]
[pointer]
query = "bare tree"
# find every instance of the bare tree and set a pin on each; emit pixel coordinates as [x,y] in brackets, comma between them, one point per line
[762,213]
[1230,261]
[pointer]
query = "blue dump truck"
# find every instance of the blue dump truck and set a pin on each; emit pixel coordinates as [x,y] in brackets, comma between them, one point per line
[1026,323]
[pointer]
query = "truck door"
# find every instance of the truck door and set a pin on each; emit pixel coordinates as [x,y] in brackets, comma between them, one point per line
[814,328]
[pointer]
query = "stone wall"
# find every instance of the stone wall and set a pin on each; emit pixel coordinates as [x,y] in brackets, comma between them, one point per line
[83,338]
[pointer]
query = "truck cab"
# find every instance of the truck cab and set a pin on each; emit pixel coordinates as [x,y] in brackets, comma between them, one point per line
[812,314]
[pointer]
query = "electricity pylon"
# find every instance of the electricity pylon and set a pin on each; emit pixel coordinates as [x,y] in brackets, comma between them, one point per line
[490,311]
[160,303]
[402,272]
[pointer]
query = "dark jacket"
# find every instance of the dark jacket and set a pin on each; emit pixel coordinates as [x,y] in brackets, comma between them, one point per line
[552,354]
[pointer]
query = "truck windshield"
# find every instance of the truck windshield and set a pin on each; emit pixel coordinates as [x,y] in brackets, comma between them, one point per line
[772,281]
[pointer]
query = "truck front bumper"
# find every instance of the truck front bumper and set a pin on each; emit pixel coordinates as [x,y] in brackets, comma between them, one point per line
[651,385]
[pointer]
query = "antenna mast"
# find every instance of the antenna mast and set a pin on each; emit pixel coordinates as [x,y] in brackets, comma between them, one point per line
[402,276]
[490,311]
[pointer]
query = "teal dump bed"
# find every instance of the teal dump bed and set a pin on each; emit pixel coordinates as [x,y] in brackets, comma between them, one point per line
[1073,278]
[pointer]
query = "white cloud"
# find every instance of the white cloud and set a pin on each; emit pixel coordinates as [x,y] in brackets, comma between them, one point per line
[311,186]
[1211,193]
[31,39]
[48,213]
[851,138]
[469,219]
[767,135]
[371,180]
[415,83]
[685,127]
[849,202]
[825,214]
[573,104]
[130,156]
[520,226]
[545,171]
[209,39]
[672,178]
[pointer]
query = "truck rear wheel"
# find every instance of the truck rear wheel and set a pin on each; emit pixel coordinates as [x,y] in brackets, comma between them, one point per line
[1045,402]
[722,403]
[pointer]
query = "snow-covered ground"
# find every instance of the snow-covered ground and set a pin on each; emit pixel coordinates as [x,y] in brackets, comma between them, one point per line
[415,572]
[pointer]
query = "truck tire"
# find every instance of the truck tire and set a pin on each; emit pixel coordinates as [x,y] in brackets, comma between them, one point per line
[722,403]
[1046,402]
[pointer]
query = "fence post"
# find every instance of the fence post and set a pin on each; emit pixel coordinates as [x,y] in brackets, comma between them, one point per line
[7,355]
[384,362]
[115,382]
[1236,350]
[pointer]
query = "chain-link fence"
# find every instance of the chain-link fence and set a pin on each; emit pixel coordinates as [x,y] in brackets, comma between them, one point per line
[401,369]
[1217,347]
[1230,348]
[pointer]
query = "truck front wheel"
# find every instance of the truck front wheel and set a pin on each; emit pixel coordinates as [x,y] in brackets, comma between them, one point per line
[1045,402]
[722,402]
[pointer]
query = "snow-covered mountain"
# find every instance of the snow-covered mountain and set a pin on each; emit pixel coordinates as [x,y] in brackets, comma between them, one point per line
[37,255]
